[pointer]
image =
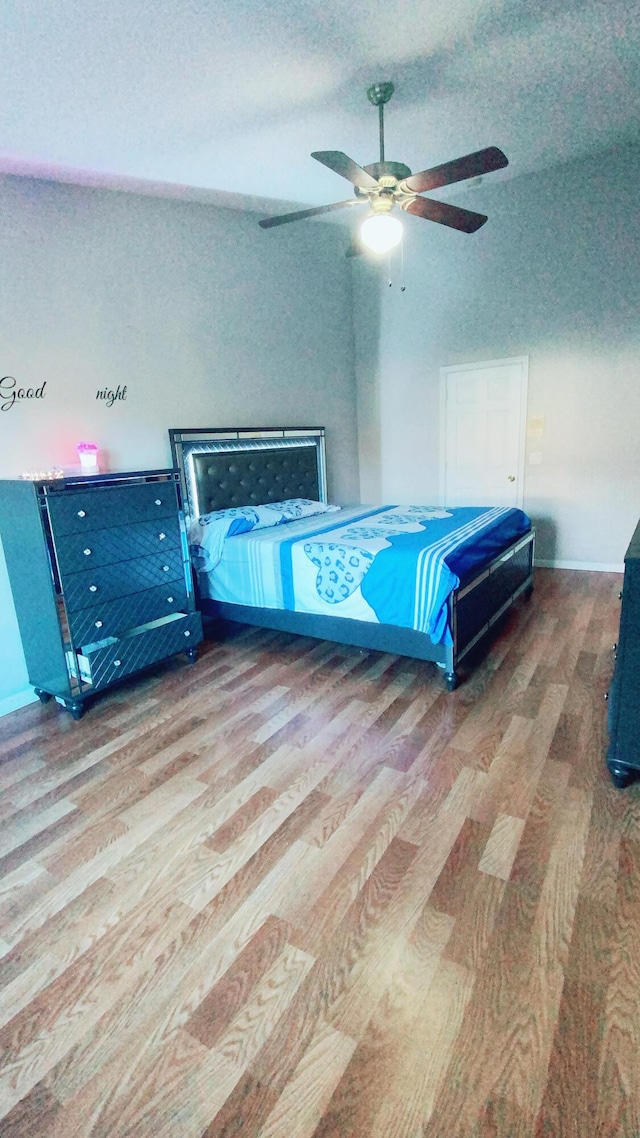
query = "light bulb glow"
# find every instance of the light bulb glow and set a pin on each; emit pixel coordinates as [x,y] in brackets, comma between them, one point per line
[381,232]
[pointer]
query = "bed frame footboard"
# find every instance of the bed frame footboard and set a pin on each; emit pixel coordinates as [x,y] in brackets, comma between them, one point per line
[473,608]
[477,604]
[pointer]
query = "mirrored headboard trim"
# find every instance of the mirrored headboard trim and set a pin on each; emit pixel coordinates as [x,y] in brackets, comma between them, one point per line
[272,464]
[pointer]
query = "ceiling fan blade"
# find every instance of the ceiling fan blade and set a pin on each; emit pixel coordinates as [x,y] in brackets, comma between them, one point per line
[268,222]
[463,219]
[481,162]
[341,164]
[355,247]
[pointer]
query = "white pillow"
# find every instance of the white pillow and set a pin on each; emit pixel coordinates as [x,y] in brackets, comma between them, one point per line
[293,508]
[208,533]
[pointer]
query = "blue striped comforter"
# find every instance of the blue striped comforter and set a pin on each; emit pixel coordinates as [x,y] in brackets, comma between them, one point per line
[403,560]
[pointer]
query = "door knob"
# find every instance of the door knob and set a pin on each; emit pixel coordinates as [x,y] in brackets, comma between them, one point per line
[511,477]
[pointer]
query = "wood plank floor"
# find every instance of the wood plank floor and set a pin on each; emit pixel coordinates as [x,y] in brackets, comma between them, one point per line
[299,890]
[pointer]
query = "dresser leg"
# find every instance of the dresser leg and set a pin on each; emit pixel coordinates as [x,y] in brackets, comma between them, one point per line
[43,696]
[192,655]
[621,774]
[451,680]
[76,707]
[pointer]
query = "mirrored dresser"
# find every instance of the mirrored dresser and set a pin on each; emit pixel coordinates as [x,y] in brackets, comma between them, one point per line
[101,579]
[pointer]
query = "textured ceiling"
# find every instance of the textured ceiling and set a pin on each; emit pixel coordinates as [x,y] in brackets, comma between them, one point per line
[233,95]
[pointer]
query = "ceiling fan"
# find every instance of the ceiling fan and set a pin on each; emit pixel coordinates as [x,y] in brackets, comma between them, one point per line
[384,185]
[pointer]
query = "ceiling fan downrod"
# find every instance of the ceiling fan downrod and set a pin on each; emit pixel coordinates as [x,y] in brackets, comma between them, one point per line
[388,174]
[380,94]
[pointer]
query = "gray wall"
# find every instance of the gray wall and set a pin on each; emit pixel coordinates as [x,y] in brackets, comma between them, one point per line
[206,318]
[553,275]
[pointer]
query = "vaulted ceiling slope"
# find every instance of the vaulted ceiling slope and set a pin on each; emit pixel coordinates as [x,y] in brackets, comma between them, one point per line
[233,95]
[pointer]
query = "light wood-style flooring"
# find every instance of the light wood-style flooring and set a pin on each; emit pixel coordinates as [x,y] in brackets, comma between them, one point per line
[299,890]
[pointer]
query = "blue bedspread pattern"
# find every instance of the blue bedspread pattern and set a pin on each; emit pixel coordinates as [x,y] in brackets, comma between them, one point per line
[340,568]
[394,565]
[405,560]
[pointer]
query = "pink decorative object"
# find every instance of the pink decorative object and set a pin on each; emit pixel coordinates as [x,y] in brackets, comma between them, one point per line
[88,455]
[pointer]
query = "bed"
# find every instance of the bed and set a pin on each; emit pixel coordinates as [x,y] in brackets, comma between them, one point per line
[420,581]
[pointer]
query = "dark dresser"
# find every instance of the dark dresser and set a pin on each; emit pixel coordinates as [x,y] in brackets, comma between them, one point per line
[100,575]
[623,758]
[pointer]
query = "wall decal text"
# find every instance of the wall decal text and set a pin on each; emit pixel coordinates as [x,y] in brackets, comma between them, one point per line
[110,396]
[10,393]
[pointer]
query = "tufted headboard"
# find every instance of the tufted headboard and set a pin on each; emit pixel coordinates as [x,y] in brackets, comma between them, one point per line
[243,467]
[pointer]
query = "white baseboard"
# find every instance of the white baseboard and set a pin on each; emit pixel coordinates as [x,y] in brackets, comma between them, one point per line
[14,702]
[589,566]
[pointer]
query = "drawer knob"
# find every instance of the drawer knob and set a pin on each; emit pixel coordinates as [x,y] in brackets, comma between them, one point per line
[117,663]
[158,501]
[93,588]
[170,600]
[165,568]
[87,552]
[81,514]
[162,536]
[98,624]
[187,633]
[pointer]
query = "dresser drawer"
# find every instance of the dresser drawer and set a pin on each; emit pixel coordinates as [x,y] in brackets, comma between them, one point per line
[111,618]
[107,582]
[104,664]
[82,511]
[78,551]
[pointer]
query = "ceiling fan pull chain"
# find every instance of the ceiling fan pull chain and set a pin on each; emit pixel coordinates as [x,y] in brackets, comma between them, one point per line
[402,284]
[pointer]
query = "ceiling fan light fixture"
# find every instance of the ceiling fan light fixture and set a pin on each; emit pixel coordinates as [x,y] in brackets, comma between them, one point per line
[381,232]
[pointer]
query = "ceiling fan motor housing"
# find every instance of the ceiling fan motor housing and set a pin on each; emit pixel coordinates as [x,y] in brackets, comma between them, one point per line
[395,171]
[390,189]
[382,202]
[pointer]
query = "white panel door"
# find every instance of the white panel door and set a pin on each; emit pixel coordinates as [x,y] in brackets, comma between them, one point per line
[483,429]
